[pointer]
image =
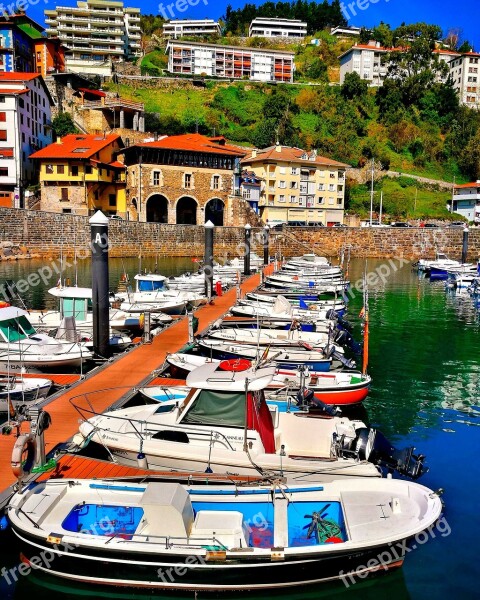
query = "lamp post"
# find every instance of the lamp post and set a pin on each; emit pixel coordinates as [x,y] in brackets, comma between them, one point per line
[246,258]
[100,293]
[208,259]
[465,244]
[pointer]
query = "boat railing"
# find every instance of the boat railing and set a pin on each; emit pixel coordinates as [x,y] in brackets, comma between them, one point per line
[140,427]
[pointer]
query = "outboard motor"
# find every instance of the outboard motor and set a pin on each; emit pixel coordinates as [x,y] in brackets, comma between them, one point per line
[331,315]
[306,400]
[343,338]
[373,446]
[331,352]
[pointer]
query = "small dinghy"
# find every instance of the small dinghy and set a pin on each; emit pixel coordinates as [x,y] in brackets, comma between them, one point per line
[220,538]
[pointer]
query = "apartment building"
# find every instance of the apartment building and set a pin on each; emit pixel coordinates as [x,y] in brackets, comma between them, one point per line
[17,35]
[299,186]
[183,179]
[25,126]
[190,27]
[466,201]
[345,33]
[465,72]
[49,56]
[278,28]
[232,62]
[366,61]
[97,34]
[79,174]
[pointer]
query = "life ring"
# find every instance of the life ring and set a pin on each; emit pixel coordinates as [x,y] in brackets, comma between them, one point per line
[23,466]
[44,421]
[4,304]
[235,364]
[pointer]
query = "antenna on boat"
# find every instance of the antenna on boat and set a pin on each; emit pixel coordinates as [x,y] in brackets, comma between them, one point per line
[365,315]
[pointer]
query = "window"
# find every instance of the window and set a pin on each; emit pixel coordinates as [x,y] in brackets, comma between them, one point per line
[339,201]
[3,135]
[294,170]
[294,185]
[293,199]
[49,169]
[246,193]
[283,170]
[112,200]
[134,178]
[39,56]
[282,185]
[332,175]
[3,117]
[3,171]
[187,181]
[88,169]
[281,198]
[74,171]
[60,169]
[321,200]
[67,211]
[331,187]
[2,98]
[321,187]
[64,194]
[216,182]
[331,200]
[156,177]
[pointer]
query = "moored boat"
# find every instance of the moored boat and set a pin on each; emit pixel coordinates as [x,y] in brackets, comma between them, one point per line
[212,538]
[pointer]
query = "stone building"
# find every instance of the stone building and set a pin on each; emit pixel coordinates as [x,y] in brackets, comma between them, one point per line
[185,179]
[79,175]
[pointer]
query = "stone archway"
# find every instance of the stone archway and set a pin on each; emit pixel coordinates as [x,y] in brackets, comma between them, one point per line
[157,209]
[187,211]
[214,212]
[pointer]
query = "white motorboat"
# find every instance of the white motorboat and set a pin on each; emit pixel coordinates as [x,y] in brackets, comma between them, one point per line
[281,307]
[225,426]
[219,538]
[267,299]
[21,346]
[154,289]
[441,262]
[271,337]
[18,390]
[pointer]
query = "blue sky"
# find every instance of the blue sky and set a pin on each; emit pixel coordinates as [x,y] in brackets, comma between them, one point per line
[464,14]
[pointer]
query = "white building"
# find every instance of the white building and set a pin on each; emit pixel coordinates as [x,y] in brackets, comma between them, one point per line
[190,27]
[232,62]
[97,33]
[25,126]
[345,32]
[283,28]
[466,201]
[465,73]
[366,60]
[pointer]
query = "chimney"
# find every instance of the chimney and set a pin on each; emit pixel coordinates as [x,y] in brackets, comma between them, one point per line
[278,148]
[155,136]
[59,139]
[254,153]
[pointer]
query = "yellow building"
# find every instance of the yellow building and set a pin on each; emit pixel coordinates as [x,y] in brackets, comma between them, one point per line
[79,174]
[299,187]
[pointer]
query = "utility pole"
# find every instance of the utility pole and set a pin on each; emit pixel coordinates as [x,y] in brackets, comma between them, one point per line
[453,194]
[381,208]
[371,193]
[415,203]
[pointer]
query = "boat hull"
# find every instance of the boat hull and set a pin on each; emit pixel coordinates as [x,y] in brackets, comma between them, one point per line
[195,573]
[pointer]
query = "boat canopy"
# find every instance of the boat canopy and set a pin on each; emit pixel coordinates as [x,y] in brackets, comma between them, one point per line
[71,292]
[218,408]
[16,328]
[150,283]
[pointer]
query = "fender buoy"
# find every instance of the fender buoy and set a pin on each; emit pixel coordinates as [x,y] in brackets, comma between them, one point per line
[20,465]
[334,540]
[4,304]
[235,364]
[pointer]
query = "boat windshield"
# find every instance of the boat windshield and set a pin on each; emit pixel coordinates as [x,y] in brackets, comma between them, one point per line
[150,286]
[74,307]
[14,330]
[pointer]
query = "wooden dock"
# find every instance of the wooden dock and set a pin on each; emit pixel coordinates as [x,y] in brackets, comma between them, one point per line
[128,371]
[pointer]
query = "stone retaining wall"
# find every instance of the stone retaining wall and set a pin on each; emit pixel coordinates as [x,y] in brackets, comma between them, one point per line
[49,233]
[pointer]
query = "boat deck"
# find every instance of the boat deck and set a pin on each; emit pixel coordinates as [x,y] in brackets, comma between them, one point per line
[128,371]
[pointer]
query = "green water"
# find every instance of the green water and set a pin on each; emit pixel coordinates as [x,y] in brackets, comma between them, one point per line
[424,359]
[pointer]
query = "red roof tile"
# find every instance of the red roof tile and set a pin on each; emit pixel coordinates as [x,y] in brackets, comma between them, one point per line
[288,154]
[71,144]
[117,164]
[93,92]
[194,142]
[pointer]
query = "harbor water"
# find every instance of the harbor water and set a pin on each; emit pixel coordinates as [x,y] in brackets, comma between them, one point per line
[425,364]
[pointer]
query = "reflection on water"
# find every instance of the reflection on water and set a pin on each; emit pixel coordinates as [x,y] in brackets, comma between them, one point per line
[424,360]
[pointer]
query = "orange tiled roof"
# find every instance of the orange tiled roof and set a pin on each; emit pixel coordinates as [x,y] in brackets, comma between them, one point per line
[73,143]
[194,142]
[9,91]
[288,154]
[14,76]
[474,184]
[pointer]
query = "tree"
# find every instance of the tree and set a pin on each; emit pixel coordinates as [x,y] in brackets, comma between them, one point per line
[264,134]
[317,70]
[354,86]
[63,124]
[470,158]
[466,47]
[414,67]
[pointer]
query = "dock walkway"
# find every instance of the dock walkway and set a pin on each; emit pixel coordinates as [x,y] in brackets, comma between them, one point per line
[128,371]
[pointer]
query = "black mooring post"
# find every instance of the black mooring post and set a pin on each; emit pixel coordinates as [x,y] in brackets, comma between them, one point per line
[246,258]
[100,285]
[465,245]
[266,244]
[208,260]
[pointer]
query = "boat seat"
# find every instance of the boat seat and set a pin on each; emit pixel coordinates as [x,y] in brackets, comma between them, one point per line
[43,505]
[216,527]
